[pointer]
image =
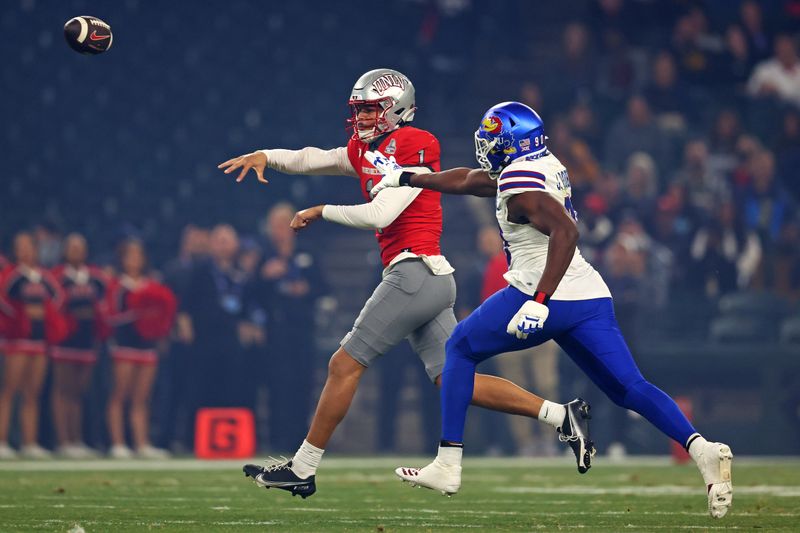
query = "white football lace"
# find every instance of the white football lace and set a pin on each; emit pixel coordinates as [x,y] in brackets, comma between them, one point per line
[273,464]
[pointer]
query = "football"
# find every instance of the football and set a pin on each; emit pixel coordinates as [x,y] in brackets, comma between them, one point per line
[88,35]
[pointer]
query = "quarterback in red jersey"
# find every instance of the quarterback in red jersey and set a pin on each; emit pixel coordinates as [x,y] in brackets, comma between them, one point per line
[416,296]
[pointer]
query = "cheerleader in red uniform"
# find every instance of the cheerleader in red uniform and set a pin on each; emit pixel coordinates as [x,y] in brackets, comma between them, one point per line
[74,358]
[31,298]
[4,309]
[142,311]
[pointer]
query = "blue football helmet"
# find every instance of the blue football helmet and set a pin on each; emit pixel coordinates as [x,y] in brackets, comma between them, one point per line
[508,130]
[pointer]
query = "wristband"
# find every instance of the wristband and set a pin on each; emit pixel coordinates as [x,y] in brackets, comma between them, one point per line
[405,179]
[540,297]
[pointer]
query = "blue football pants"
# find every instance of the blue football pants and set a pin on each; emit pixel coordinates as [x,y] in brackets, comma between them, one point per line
[586,330]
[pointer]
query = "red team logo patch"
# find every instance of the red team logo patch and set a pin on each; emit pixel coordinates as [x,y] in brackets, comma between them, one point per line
[492,124]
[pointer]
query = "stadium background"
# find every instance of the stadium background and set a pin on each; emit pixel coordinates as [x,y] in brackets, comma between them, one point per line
[676,174]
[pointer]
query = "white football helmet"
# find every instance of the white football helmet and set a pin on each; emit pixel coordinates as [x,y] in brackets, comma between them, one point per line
[391,93]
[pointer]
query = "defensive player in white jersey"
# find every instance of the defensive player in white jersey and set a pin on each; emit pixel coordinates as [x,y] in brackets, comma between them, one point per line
[553,293]
[415,297]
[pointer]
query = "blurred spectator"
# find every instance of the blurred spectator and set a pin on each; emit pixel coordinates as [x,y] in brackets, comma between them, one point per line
[736,61]
[48,244]
[787,152]
[778,77]
[470,285]
[724,254]
[640,186]
[758,38]
[30,299]
[134,356]
[747,147]
[725,134]
[636,131]
[75,357]
[658,262]
[787,261]
[595,226]
[667,95]
[704,188]
[671,224]
[291,277]
[583,125]
[178,408]
[249,258]
[220,305]
[530,94]
[766,207]
[694,47]
[574,71]
[574,154]
[616,70]
[624,271]
[193,248]
[614,16]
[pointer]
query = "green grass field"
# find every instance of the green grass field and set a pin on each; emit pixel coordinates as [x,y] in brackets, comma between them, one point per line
[364,495]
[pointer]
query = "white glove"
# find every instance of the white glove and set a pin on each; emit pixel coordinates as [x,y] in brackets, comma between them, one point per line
[387,167]
[529,319]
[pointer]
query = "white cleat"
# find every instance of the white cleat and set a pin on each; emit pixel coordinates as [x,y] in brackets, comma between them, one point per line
[35,452]
[76,451]
[151,452]
[120,451]
[714,463]
[7,452]
[436,476]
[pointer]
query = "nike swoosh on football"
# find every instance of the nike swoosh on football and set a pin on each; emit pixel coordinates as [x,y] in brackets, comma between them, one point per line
[95,37]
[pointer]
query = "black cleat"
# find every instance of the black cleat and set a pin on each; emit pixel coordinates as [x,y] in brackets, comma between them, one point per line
[574,431]
[280,476]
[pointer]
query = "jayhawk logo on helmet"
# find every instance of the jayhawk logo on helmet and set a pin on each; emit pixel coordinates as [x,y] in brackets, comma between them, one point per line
[507,131]
[492,124]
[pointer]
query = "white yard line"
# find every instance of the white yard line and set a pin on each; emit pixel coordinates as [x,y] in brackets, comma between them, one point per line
[788,491]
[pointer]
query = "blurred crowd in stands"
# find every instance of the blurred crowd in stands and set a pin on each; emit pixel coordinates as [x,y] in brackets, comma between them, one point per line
[679,123]
[683,150]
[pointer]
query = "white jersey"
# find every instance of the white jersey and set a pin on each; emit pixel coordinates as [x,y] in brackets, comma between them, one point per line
[525,246]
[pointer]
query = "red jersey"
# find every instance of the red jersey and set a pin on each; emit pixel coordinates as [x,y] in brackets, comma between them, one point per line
[419,227]
[84,293]
[25,290]
[493,279]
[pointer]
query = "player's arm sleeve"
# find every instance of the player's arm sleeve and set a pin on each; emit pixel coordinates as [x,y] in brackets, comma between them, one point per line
[460,180]
[311,161]
[377,214]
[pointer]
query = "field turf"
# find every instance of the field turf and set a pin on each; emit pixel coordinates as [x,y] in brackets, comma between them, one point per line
[363,495]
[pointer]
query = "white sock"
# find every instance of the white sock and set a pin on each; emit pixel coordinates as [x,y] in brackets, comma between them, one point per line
[552,413]
[306,460]
[696,446]
[450,455]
